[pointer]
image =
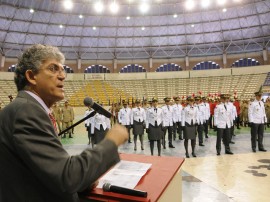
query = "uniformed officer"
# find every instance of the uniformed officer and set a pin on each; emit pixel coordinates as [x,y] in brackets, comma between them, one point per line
[138,117]
[233,116]
[244,113]
[207,116]
[257,119]
[267,111]
[222,120]
[56,110]
[177,118]
[67,118]
[124,116]
[201,118]
[88,124]
[99,127]
[189,122]
[167,120]
[154,126]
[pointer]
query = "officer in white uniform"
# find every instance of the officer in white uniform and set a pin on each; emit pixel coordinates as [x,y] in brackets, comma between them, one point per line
[257,119]
[222,120]
[154,126]
[189,122]
[167,120]
[177,118]
[124,116]
[88,123]
[138,117]
[207,116]
[99,127]
[233,116]
[201,118]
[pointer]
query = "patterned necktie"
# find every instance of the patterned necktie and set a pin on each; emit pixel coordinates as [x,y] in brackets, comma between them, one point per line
[53,122]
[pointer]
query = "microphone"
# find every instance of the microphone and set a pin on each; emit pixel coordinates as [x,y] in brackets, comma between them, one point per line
[88,102]
[121,190]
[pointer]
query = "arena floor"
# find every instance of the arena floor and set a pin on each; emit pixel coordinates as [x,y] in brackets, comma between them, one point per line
[243,177]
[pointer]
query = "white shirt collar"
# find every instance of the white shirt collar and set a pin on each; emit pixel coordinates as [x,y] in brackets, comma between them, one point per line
[40,101]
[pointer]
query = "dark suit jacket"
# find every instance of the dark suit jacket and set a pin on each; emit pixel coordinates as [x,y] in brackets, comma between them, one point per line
[33,164]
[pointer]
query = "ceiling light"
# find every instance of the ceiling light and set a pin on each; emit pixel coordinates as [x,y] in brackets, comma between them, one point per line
[143,28]
[128,17]
[221,2]
[61,26]
[224,10]
[192,25]
[205,3]
[144,7]
[81,16]
[175,15]
[190,4]
[94,28]
[31,10]
[68,4]
[99,7]
[114,7]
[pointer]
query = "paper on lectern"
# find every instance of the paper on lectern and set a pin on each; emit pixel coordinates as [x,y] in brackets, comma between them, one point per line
[125,174]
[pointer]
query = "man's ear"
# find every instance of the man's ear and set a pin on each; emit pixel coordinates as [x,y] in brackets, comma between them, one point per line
[31,77]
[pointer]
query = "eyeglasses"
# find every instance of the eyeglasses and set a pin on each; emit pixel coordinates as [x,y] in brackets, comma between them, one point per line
[55,69]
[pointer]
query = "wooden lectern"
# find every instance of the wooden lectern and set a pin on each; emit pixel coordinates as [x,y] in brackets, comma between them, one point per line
[163,181]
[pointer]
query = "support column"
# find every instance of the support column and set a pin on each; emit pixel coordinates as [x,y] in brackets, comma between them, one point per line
[150,63]
[79,64]
[187,62]
[114,65]
[265,56]
[224,60]
[2,61]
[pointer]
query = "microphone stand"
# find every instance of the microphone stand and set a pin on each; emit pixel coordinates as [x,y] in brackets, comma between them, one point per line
[77,123]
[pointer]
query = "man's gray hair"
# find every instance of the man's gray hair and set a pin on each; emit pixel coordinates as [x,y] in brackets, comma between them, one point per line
[32,59]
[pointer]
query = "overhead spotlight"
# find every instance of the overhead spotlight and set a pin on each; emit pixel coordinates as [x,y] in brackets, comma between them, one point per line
[190,4]
[175,15]
[94,28]
[143,28]
[31,10]
[144,7]
[205,3]
[114,7]
[128,17]
[81,16]
[221,2]
[61,26]
[68,4]
[192,25]
[99,7]
[224,10]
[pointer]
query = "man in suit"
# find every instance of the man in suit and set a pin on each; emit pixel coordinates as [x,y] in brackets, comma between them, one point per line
[34,165]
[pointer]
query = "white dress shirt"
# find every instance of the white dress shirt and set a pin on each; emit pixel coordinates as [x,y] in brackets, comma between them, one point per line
[256,112]
[124,116]
[222,116]
[90,120]
[177,112]
[167,117]
[189,115]
[154,115]
[138,114]
[99,120]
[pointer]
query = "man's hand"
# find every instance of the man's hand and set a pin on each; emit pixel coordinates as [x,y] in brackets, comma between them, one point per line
[118,134]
